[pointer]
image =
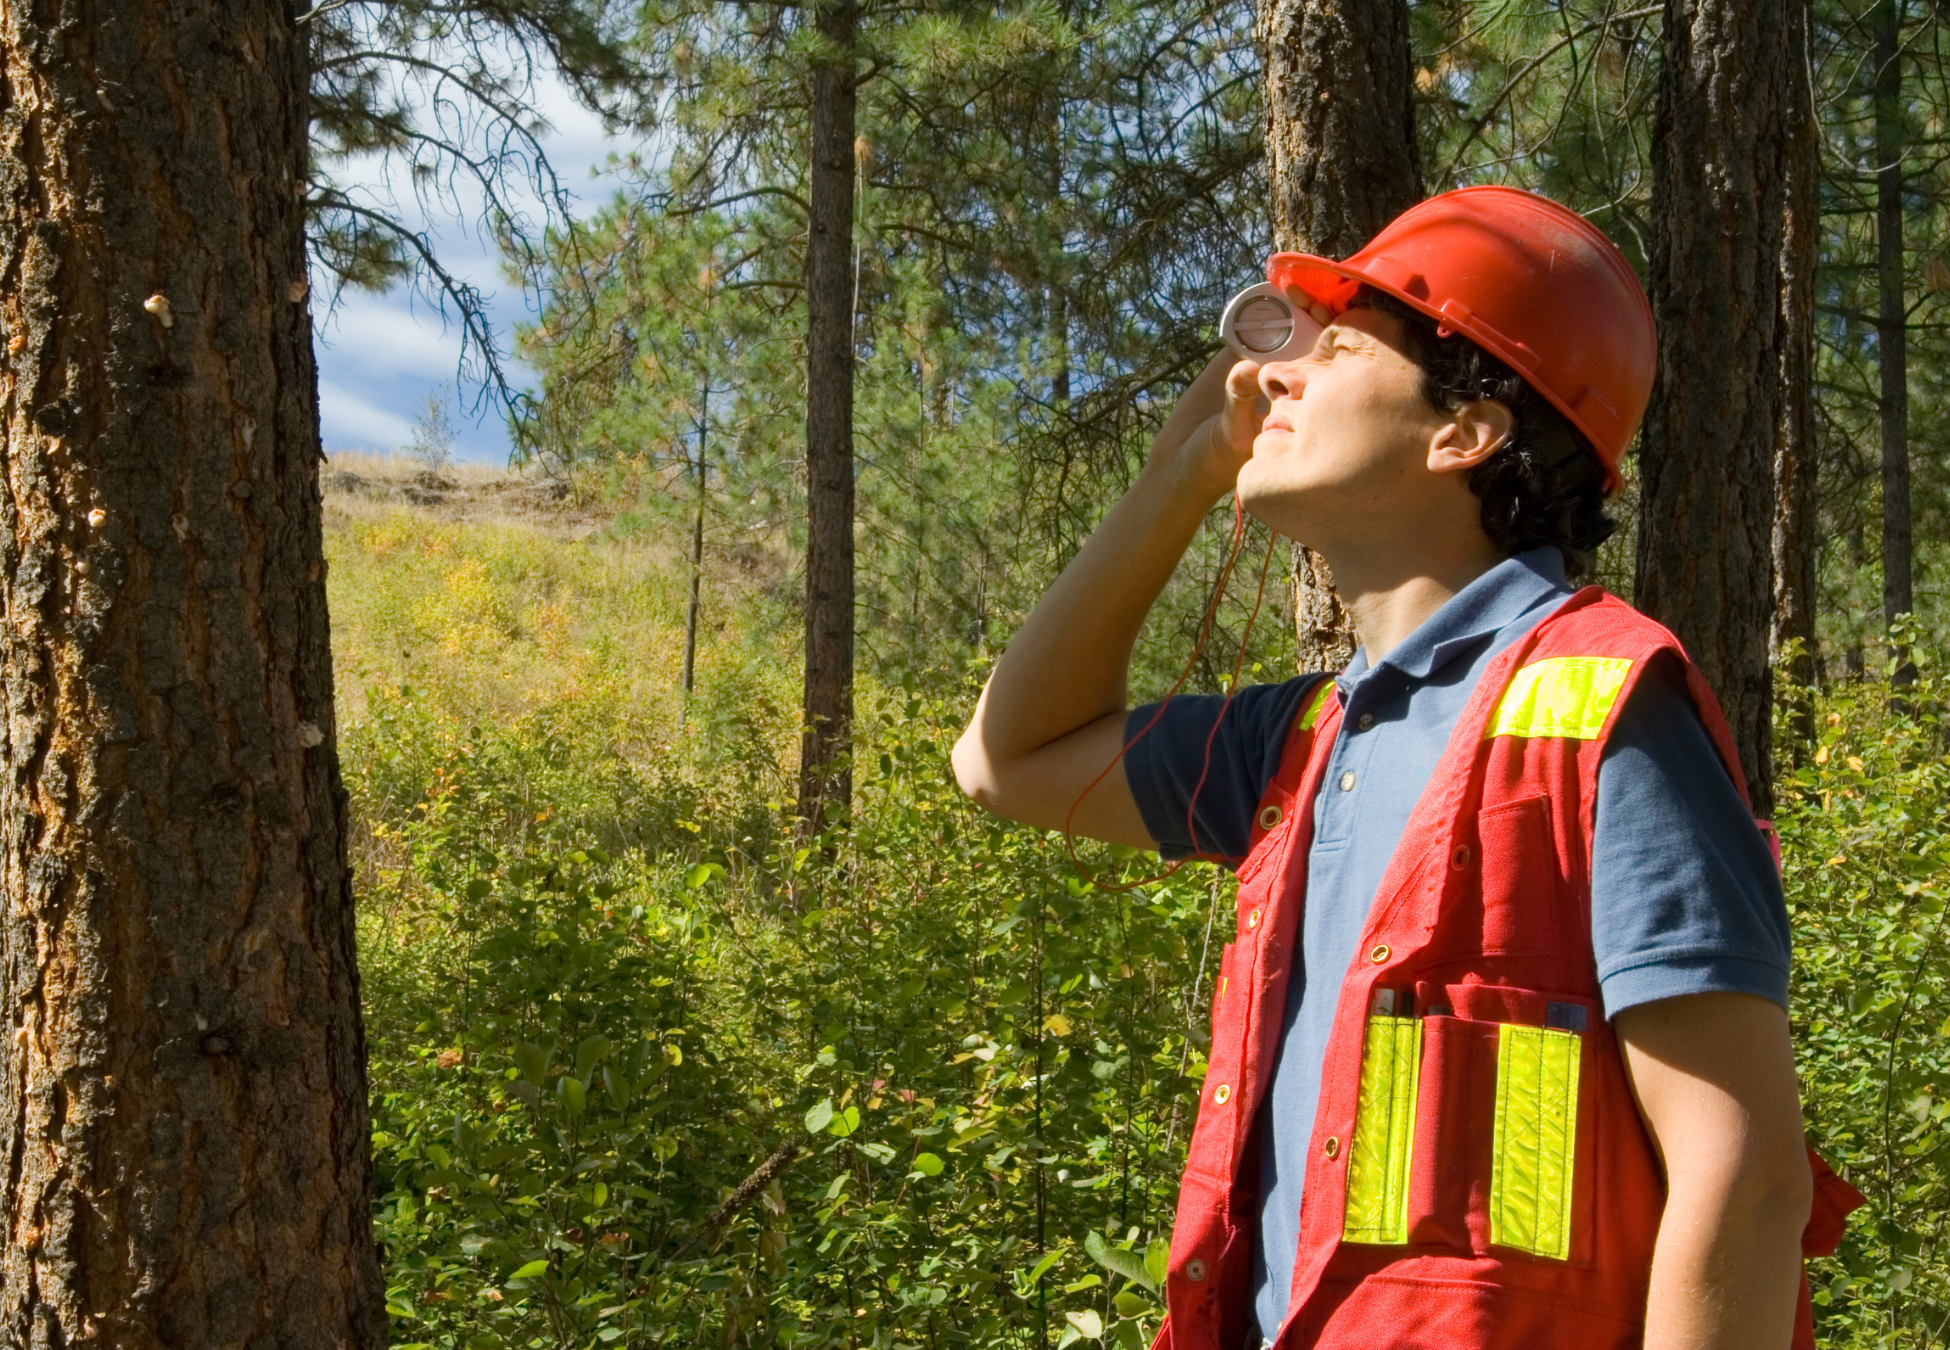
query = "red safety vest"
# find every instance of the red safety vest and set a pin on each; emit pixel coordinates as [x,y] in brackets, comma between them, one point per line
[1479,1175]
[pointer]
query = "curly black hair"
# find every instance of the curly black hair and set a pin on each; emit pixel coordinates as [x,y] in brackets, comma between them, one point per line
[1546,485]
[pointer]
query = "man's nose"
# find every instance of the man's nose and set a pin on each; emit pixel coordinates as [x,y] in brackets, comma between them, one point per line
[1282,379]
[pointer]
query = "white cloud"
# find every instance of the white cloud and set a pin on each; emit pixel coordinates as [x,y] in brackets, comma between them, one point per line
[349,421]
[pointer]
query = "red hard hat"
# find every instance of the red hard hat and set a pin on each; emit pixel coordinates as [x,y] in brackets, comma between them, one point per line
[1531,282]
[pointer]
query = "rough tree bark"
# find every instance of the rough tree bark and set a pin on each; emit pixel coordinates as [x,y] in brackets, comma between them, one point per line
[184,1123]
[1796,536]
[825,780]
[1892,317]
[1342,160]
[1706,480]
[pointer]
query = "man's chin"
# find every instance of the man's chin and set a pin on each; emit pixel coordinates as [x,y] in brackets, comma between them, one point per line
[1280,509]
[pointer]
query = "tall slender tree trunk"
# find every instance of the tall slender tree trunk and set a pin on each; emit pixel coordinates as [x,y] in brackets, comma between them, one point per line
[1892,318]
[825,780]
[185,1132]
[1796,536]
[1720,199]
[1342,160]
[699,473]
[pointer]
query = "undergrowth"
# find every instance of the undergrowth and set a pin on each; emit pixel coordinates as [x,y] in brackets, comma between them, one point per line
[606,985]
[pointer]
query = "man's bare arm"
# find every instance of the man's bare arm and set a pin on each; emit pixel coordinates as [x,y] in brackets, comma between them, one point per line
[1052,717]
[1714,1075]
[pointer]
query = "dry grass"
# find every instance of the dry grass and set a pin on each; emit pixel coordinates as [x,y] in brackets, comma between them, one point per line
[500,602]
[362,486]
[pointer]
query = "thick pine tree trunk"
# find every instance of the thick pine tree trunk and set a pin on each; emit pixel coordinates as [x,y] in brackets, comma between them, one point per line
[1342,160]
[1892,319]
[184,1130]
[1796,530]
[1720,198]
[825,781]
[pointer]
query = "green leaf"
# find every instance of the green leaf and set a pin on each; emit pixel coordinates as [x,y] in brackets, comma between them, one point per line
[1042,1267]
[929,1164]
[599,1195]
[589,1054]
[1155,1258]
[532,1060]
[1131,1305]
[530,1271]
[1088,1324]
[575,1097]
[820,1116]
[845,1123]
[701,874]
[1118,1260]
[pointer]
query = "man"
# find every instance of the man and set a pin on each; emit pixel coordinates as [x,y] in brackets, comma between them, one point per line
[1500,1056]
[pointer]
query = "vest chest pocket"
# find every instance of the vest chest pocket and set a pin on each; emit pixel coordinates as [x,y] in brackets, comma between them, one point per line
[1515,909]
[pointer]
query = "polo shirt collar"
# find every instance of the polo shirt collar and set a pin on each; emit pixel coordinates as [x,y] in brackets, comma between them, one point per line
[1493,601]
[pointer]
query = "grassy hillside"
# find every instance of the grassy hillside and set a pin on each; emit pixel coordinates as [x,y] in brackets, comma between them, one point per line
[606,986]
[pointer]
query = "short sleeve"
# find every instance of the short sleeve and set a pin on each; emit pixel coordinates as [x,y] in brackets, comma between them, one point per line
[1164,765]
[1685,897]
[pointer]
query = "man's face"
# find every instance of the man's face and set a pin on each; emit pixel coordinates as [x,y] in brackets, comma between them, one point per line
[1347,434]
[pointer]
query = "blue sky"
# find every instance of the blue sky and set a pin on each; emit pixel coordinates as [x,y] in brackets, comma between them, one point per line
[380,356]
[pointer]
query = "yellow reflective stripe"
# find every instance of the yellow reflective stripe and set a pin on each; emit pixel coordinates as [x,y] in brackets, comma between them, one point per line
[1568,696]
[1384,1132]
[1315,704]
[1535,1141]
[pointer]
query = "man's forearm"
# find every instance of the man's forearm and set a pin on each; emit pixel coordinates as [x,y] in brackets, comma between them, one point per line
[1066,666]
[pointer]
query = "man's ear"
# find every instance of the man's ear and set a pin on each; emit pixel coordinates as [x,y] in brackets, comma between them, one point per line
[1473,433]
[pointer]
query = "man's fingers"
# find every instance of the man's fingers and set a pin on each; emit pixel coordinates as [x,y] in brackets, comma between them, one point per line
[1243,411]
[1242,383]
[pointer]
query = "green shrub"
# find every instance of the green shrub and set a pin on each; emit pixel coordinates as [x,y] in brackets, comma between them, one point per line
[578,1056]
[1865,832]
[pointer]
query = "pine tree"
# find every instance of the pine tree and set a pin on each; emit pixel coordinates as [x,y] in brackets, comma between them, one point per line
[1343,161]
[186,1120]
[1721,193]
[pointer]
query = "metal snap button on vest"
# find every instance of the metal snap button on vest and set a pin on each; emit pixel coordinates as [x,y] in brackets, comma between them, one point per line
[1269,817]
[1252,921]
[1364,721]
[1379,954]
[1195,1271]
[1222,1093]
[1332,1148]
[1347,781]
[1460,858]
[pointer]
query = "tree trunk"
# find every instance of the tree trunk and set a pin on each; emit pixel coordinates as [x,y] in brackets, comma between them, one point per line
[1342,161]
[1720,197]
[825,781]
[185,1128]
[698,472]
[1892,319]
[1796,536]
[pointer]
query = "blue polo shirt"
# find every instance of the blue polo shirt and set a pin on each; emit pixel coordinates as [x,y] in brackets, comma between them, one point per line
[1684,895]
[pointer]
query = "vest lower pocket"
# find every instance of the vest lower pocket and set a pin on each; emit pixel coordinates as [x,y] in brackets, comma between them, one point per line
[1448,1189]
[1471,1132]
